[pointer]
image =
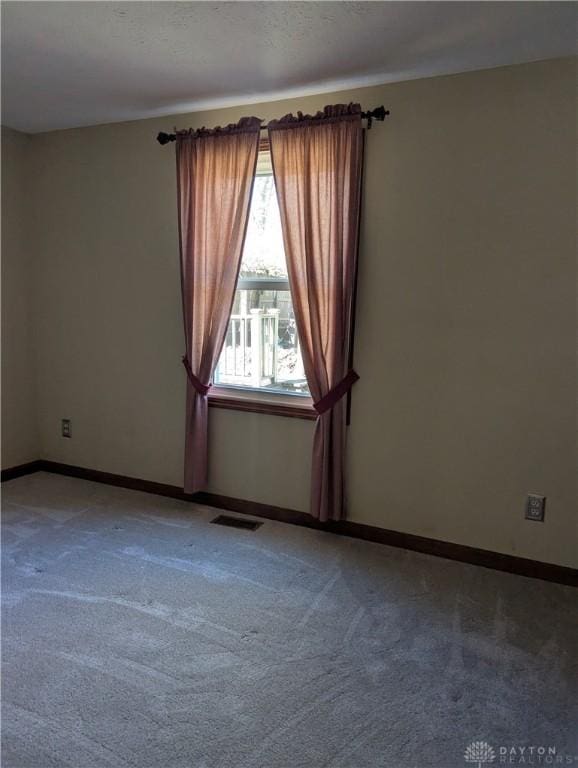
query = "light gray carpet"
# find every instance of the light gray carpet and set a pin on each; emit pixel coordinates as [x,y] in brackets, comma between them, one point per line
[136,634]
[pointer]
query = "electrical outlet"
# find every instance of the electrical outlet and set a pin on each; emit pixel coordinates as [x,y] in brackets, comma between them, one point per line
[66,428]
[535,507]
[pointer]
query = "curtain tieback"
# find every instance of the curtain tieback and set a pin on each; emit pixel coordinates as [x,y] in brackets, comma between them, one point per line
[201,388]
[334,395]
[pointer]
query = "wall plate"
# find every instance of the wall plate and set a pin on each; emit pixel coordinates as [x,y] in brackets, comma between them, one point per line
[535,507]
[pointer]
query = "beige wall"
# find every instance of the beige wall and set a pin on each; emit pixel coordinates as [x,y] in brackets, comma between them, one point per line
[19,422]
[466,319]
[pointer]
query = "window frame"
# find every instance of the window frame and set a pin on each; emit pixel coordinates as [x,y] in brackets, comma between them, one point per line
[254,399]
[295,405]
[263,284]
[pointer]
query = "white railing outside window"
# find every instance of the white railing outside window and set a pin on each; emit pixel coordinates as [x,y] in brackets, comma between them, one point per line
[249,354]
[261,348]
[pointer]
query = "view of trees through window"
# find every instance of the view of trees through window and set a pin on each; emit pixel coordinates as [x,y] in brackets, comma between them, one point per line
[261,349]
[264,255]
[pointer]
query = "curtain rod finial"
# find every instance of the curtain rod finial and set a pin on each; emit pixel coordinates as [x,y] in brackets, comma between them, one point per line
[164,138]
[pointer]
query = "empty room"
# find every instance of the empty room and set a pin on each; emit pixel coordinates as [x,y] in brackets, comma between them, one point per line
[289,457]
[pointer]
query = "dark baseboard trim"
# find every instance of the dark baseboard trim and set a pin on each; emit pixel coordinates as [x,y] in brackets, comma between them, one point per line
[482,557]
[107,478]
[20,470]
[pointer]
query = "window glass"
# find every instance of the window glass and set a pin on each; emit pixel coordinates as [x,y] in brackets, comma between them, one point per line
[261,349]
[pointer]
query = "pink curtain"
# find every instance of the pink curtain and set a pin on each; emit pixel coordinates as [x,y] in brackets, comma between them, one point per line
[215,172]
[317,165]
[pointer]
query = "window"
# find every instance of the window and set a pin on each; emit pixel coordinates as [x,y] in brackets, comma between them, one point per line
[261,349]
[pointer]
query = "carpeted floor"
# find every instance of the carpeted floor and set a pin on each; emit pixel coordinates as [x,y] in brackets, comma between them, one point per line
[136,634]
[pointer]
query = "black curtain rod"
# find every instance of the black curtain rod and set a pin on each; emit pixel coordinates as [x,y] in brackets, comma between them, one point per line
[378,113]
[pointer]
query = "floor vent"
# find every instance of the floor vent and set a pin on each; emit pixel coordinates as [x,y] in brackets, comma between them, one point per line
[237,522]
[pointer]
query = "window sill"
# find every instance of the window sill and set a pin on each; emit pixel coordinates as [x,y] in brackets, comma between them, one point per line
[295,407]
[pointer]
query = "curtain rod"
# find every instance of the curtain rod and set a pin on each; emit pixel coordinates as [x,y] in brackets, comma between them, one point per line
[378,113]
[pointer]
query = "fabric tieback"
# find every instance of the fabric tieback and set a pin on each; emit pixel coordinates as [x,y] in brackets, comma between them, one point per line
[201,388]
[334,395]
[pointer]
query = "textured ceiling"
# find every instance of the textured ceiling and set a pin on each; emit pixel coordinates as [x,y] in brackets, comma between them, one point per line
[67,64]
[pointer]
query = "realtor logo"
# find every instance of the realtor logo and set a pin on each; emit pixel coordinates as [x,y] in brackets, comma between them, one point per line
[480,753]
